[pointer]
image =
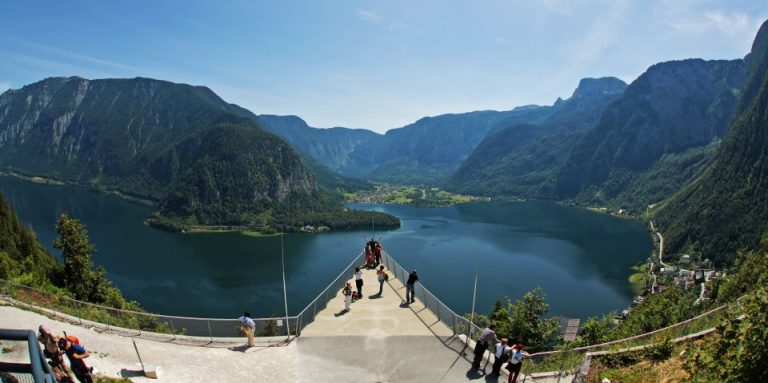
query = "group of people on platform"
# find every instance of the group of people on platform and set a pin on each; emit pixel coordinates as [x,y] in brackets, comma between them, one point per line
[503,352]
[372,254]
[54,349]
[373,251]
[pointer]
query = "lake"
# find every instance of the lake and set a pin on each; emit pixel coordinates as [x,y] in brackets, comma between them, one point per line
[581,259]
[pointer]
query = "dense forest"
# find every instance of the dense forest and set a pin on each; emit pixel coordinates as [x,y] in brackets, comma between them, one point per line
[24,261]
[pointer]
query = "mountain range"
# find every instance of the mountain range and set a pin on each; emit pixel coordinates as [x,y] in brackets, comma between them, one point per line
[683,129]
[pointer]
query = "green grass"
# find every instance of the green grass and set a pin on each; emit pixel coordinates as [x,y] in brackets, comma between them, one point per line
[257,234]
[639,278]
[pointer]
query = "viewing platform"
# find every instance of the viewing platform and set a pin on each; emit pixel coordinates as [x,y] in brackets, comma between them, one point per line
[381,339]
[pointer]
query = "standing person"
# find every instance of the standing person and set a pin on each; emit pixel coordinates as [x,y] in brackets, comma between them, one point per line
[377,252]
[502,354]
[76,353]
[51,350]
[381,276]
[410,293]
[347,291]
[516,362]
[248,327]
[359,282]
[487,337]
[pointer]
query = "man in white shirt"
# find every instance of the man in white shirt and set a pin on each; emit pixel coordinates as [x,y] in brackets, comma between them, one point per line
[248,326]
[502,353]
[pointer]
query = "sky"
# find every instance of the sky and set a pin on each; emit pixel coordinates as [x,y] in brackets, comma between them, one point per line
[375,65]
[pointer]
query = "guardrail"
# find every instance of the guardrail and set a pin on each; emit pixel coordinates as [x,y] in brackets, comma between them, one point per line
[134,323]
[454,321]
[567,362]
[37,367]
[309,313]
[130,322]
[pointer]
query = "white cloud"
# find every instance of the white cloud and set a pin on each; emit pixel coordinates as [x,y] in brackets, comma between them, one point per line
[371,16]
[376,17]
[603,33]
[498,40]
[731,24]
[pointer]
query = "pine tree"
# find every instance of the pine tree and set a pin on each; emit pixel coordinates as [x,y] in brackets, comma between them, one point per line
[76,249]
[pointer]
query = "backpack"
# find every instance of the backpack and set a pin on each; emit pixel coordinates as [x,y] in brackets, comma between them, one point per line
[386,276]
[75,340]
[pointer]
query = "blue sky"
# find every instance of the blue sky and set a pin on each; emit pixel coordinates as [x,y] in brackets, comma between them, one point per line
[369,64]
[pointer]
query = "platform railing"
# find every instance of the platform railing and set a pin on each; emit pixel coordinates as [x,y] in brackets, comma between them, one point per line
[458,323]
[307,316]
[133,323]
[136,323]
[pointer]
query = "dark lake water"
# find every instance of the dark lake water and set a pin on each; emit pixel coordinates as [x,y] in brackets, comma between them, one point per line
[581,259]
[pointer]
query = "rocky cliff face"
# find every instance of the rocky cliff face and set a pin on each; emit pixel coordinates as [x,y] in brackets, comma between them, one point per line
[520,158]
[334,147]
[673,107]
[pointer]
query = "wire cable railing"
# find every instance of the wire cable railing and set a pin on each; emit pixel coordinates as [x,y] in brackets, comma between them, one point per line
[210,330]
[135,323]
[309,313]
[458,323]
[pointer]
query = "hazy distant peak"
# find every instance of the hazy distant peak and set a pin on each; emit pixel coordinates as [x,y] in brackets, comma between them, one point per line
[595,87]
[527,107]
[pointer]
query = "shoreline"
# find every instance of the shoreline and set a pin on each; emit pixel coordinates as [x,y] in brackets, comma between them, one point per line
[55,182]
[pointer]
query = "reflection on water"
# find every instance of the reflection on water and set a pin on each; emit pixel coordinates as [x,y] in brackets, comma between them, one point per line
[573,254]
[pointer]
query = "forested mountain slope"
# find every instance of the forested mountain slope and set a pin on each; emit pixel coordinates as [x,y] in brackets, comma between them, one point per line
[727,208]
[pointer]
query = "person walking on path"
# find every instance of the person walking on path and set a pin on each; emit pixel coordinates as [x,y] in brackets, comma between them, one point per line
[381,276]
[410,293]
[502,354]
[76,353]
[347,291]
[248,327]
[359,281]
[516,362]
[487,337]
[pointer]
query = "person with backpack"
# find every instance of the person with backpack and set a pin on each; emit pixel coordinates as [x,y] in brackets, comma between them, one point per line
[247,326]
[381,276]
[76,353]
[501,356]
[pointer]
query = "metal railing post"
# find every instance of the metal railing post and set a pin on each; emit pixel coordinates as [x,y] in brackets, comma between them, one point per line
[79,315]
[173,329]
[210,333]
